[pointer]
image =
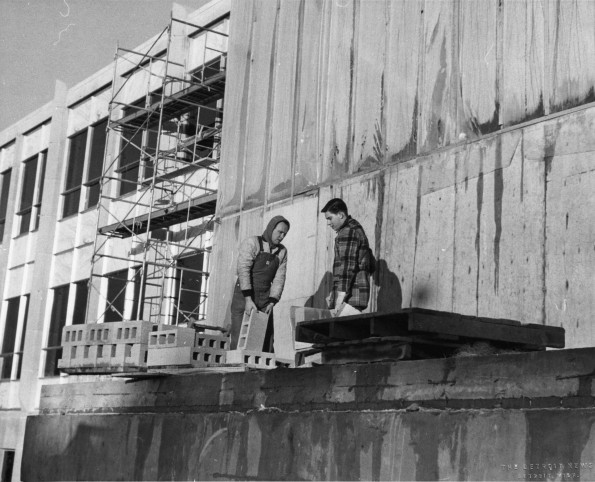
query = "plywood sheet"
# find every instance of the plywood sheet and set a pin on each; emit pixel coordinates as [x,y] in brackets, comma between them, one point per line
[338,124]
[478,103]
[284,112]
[467,229]
[523,61]
[571,28]
[259,116]
[433,275]
[302,213]
[402,67]
[368,96]
[223,270]
[512,222]
[235,111]
[395,261]
[570,251]
[438,106]
[311,91]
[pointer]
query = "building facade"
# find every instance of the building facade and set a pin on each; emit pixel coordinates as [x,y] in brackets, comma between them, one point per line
[461,137]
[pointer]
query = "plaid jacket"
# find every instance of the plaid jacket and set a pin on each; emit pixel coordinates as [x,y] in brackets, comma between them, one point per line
[352,265]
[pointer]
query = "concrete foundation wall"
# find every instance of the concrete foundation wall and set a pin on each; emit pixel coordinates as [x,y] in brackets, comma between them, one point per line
[477,418]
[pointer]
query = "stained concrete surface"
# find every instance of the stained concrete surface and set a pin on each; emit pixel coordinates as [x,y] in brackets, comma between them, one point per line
[508,417]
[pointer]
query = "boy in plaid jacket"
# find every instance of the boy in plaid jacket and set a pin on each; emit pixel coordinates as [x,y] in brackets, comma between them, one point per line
[352,264]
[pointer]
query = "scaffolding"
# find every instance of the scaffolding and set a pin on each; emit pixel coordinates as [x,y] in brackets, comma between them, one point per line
[158,189]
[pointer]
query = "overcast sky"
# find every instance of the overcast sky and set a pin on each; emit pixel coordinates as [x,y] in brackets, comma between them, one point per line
[45,40]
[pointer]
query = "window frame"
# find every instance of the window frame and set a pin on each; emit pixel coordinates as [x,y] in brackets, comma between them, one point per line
[90,161]
[17,339]
[29,215]
[4,197]
[76,185]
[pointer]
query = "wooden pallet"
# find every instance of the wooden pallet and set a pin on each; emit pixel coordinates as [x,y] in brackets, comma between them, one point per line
[419,333]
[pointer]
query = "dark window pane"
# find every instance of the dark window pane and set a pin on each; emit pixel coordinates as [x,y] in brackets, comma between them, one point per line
[189,294]
[41,178]
[93,194]
[4,188]
[7,466]
[80,302]
[30,171]
[57,322]
[71,203]
[10,334]
[24,332]
[97,150]
[76,160]
[116,288]
[131,177]
[25,222]
[137,282]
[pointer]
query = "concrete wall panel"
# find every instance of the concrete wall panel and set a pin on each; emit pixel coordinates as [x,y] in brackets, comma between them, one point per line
[369,123]
[284,112]
[404,49]
[337,153]
[235,110]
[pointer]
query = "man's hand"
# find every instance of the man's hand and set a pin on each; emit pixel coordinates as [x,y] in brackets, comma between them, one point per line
[249,306]
[337,311]
[269,308]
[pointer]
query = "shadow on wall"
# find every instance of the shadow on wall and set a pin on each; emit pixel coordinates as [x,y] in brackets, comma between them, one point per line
[389,298]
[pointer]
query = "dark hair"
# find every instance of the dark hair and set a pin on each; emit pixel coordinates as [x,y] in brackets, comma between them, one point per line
[335,206]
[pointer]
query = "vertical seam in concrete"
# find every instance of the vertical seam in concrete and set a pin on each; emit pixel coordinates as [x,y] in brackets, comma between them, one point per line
[544,243]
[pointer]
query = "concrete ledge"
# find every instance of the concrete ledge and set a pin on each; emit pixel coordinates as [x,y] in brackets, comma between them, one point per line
[562,378]
[348,422]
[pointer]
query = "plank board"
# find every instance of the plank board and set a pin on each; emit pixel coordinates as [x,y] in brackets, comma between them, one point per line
[431,325]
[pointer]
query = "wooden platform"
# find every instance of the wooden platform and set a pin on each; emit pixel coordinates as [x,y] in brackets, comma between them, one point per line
[419,333]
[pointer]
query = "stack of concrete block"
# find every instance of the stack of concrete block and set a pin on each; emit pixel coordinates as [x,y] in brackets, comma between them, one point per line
[181,347]
[105,347]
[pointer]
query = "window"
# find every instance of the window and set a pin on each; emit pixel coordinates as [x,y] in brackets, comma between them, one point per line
[8,356]
[80,302]
[74,174]
[116,295]
[138,148]
[31,193]
[4,188]
[6,465]
[191,277]
[58,320]
[94,171]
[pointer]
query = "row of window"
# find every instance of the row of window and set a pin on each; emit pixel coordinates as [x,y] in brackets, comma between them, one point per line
[191,283]
[135,165]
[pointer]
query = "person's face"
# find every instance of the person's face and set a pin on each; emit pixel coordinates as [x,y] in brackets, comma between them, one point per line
[335,221]
[279,233]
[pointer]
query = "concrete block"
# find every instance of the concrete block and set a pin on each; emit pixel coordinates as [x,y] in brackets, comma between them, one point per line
[204,340]
[169,356]
[252,331]
[174,337]
[252,359]
[205,355]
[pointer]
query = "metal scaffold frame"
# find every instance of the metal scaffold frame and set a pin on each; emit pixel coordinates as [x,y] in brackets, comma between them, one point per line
[165,199]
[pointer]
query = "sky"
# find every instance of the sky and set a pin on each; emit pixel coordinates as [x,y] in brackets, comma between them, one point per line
[42,41]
